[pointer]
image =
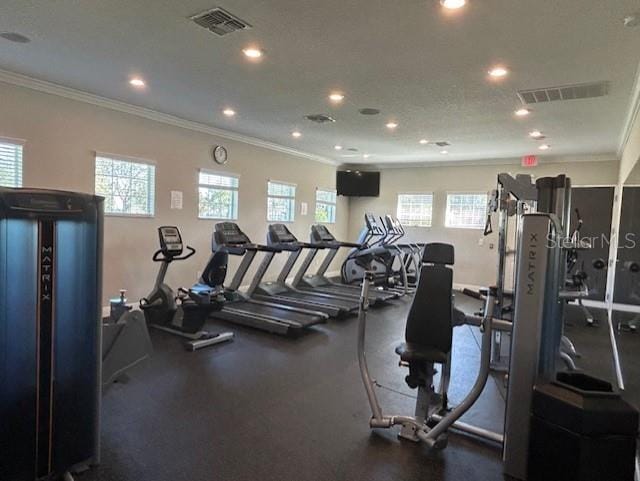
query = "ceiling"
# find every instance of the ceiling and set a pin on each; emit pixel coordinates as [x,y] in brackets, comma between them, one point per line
[421,66]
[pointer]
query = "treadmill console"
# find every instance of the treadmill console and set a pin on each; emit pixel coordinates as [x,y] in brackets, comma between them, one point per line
[372,224]
[230,233]
[279,234]
[393,225]
[320,233]
[170,241]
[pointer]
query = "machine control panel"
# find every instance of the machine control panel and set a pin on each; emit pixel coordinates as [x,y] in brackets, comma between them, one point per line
[279,234]
[230,233]
[170,240]
[320,233]
[372,224]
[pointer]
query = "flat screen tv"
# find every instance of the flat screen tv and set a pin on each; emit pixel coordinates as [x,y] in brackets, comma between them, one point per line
[356,183]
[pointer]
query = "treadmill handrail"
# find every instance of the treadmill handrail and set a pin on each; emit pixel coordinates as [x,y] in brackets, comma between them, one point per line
[255,247]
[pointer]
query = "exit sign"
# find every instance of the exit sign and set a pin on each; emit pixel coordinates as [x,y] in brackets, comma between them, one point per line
[529,161]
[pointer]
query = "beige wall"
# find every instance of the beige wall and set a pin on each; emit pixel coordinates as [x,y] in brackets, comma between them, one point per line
[634,176]
[631,153]
[475,264]
[61,138]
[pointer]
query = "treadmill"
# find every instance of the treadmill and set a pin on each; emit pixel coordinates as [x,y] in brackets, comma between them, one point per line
[321,238]
[281,239]
[242,309]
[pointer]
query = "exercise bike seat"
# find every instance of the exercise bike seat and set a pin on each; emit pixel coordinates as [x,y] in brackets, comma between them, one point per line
[412,352]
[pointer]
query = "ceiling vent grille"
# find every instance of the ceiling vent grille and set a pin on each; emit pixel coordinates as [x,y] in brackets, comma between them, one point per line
[219,21]
[567,92]
[320,118]
[442,143]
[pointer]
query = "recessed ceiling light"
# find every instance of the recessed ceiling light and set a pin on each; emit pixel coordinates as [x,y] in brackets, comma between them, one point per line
[536,134]
[632,20]
[297,134]
[366,156]
[15,37]
[336,97]
[229,112]
[522,112]
[338,147]
[424,141]
[252,52]
[137,82]
[544,147]
[498,72]
[453,4]
[392,125]
[444,152]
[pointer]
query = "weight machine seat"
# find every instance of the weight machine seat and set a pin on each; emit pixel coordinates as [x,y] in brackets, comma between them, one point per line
[410,352]
[429,331]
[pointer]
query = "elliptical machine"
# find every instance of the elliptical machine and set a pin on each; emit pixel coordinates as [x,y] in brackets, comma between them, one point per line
[185,314]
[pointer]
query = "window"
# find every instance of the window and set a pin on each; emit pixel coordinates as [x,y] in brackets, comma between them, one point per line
[467,211]
[128,187]
[10,164]
[281,202]
[326,206]
[217,196]
[415,210]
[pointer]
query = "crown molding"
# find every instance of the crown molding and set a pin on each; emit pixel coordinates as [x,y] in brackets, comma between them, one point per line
[149,114]
[632,116]
[544,160]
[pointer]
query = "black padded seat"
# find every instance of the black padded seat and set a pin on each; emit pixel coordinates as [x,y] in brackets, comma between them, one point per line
[411,352]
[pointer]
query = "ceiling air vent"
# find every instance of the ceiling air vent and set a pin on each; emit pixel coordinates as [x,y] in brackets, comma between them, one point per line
[320,118]
[442,143]
[219,21]
[568,92]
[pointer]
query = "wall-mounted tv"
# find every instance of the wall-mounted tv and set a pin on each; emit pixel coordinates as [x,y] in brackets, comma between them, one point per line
[356,183]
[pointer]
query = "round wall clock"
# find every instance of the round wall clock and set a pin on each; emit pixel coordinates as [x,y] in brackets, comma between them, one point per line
[220,154]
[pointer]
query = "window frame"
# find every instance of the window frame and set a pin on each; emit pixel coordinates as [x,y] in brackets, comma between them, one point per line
[18,162]
[331,204]
[274,196]
[218,187]
[406,223]
[131,160]
[466,227]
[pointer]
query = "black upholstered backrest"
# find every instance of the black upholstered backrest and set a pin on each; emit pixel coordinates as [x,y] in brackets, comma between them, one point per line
[215,272]
[439,253]
[429,323]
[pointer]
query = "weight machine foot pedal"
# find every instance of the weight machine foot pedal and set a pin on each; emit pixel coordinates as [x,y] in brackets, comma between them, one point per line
[408,432]
[208,339]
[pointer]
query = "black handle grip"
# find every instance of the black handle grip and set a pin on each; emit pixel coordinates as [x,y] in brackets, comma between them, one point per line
[191,252]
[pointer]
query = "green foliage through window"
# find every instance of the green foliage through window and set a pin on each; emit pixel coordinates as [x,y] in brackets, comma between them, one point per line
[217,196]
[128,187]
[326,206]
[281,202]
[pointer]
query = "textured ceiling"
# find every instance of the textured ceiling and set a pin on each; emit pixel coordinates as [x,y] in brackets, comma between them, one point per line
[425,69]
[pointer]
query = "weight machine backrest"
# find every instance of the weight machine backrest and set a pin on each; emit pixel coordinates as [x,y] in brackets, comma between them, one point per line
[429,323]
